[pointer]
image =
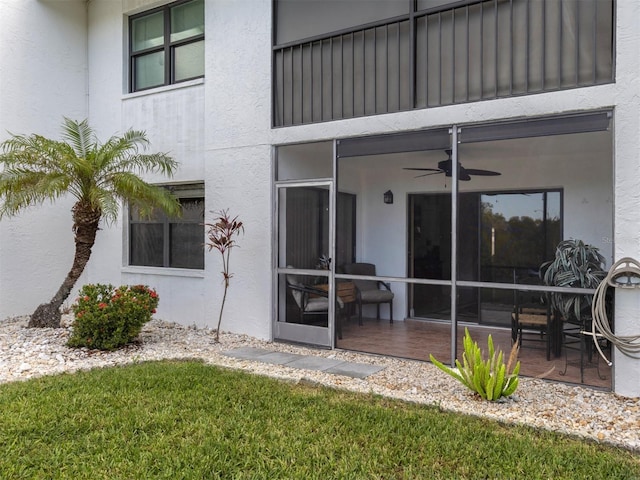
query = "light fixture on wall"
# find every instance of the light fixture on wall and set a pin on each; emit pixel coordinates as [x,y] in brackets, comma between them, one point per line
[388,197]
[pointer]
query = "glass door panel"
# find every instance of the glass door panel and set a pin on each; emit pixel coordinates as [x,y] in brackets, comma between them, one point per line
[304,266]
[503,237]
[430,254]
[518,232]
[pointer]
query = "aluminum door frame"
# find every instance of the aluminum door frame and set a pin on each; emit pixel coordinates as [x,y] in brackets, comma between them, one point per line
[295,332]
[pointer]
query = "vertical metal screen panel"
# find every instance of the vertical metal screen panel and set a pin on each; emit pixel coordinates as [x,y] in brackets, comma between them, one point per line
[447,57]
[603,35]
[570,30]
[504,44]
[404,51]
[432,54]
[474,53]
[421,62]
[380,68]
[519,50]
[552,21]
[461,58]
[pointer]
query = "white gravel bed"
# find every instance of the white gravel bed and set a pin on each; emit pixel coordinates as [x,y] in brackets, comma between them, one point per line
[585,412]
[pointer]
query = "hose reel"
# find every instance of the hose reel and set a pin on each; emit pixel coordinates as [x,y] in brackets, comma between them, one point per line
[625,274]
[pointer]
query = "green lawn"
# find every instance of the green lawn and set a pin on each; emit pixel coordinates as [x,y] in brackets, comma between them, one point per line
[180,420]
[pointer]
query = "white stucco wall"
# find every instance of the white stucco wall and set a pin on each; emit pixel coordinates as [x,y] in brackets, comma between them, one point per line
[627,194]
[218,129]
[44,77]
[238,155]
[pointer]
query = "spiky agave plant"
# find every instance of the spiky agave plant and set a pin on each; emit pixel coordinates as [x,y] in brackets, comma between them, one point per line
[490,378]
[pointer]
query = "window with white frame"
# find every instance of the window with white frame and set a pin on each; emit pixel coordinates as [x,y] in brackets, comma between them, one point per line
[166,45]
[162,241]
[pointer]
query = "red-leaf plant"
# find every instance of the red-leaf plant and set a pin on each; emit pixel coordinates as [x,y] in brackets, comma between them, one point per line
[221,235]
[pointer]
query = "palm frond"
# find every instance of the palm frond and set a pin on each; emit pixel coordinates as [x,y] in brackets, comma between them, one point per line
[35,153]
[115,149]
[79,135]
[152,163]
[132,189]
[136,137]
[106,202]
[22,188]
[37,168]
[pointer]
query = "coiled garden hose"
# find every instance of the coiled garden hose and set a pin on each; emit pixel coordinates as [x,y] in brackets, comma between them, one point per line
[625,273]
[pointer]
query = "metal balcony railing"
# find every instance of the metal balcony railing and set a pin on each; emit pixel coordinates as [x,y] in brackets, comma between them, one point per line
[476,51]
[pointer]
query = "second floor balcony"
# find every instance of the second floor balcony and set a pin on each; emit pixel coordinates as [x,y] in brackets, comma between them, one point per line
[454,52]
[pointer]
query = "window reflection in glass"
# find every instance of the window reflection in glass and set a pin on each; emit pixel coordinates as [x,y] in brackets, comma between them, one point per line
[187,20]
[519,231]
[149,70]
[147,32]
[189,61]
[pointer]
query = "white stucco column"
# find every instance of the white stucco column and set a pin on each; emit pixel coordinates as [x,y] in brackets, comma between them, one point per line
[626,191]
[627,370]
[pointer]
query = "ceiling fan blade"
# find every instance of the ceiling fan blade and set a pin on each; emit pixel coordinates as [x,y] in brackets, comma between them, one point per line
[463,174]
[484,173]
[436,172]
[445,166]
[424,169]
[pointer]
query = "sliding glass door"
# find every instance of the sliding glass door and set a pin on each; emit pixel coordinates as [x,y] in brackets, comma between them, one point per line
[518,233]
[503,237]
[430,254]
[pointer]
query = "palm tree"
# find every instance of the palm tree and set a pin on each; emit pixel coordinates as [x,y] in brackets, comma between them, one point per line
[98,175]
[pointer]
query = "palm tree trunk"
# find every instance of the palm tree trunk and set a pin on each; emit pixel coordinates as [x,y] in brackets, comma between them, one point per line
[85,228]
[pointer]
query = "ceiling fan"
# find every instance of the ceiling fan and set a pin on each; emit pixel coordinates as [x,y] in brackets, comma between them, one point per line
[444,166]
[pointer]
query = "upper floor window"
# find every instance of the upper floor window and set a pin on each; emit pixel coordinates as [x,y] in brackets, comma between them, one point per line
[166,45]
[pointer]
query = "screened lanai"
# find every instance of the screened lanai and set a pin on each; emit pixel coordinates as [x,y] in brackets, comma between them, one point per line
[478,235]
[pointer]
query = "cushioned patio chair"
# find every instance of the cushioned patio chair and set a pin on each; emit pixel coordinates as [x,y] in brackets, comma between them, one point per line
[370,291]
[313,301]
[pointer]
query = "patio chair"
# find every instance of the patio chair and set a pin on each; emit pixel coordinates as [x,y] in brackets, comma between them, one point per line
[370,291]
[530,320]
[574,340]
[313,301]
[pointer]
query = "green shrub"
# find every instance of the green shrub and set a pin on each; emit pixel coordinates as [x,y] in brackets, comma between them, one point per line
[107,318]
[490,378]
